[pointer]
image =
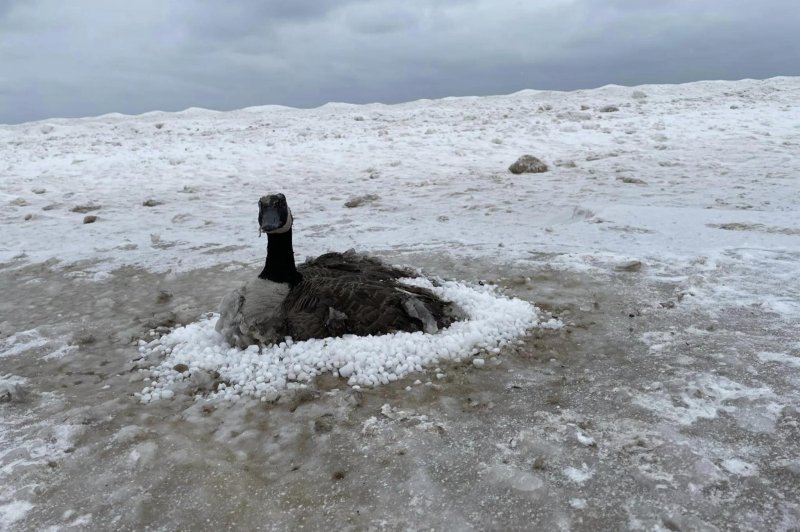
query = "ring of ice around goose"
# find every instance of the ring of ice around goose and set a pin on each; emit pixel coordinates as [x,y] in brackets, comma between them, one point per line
[493,320]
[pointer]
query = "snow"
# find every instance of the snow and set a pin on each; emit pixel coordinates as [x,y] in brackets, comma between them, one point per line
[739,467]
[12,512]
[20,342]
[585,439]
[704,396]
[32,340]
[578,504]
[781,358]
[515,479]
[579,475]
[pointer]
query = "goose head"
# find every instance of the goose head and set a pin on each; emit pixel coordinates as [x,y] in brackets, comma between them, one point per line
[274,215]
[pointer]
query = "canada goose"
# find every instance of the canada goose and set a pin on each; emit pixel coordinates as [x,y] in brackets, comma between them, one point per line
[332,295]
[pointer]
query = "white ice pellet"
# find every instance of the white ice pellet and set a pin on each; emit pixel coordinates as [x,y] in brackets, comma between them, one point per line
[585,439]
[346,370]
[478,362]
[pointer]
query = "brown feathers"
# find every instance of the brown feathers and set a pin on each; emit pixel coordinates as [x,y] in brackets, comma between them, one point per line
[349,293]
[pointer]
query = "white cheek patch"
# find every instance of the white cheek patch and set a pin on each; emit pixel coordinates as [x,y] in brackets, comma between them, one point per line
[285,227]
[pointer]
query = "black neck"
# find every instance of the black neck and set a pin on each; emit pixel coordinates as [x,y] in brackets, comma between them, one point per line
[279,266]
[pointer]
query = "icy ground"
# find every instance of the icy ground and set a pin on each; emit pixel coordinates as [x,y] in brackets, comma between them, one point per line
[665,237]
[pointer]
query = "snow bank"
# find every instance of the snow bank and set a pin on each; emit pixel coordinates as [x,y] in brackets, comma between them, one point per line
[198,350]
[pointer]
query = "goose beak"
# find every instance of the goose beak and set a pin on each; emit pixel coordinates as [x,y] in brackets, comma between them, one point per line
[270,219]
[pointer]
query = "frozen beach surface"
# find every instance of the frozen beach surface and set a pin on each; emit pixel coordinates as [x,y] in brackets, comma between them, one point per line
[630,358]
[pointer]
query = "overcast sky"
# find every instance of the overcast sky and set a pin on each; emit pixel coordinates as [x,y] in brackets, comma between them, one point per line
[87,57]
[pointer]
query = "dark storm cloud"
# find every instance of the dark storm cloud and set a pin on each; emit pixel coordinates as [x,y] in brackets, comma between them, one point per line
[210,20]
[95,56]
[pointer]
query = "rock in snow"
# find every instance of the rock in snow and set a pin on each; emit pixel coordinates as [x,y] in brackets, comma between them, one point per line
[629,266]
[83,209]
[527,164]
[12,392]
[358,201]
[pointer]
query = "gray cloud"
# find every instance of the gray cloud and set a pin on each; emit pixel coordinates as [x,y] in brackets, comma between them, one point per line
[95,56]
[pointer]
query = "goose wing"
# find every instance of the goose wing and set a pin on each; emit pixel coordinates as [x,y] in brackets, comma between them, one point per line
[332,306]
[350,263]
[351,293]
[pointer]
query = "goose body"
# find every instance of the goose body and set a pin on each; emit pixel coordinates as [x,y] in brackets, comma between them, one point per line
[332,295]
